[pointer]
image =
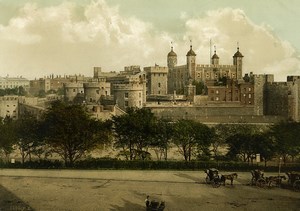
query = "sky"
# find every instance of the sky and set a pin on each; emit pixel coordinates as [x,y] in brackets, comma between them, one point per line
[39,37]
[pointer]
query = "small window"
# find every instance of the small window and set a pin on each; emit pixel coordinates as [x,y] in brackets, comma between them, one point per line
[126,94]
[217,92]
[158,84]
[250,95]
[126,103]
[217,98]
[249,89]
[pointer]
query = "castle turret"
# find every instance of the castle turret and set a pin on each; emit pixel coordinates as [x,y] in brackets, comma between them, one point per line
[191,62]
[238,62]
[172,59]
[215,58]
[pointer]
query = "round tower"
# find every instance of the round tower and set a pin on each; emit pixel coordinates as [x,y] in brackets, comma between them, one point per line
[238,62]
[191,62]
[172,59]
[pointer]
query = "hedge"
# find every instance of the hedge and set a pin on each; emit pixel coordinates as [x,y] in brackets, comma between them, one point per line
[98,163]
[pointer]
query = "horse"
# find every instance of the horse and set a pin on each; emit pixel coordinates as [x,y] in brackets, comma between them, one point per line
[228,177]
[276,179]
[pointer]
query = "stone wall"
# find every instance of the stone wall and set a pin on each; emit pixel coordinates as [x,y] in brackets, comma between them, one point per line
[215,115]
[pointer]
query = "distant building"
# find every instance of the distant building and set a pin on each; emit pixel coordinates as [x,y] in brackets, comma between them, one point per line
[9,106]
[13,82]
[157,80]
[180,76]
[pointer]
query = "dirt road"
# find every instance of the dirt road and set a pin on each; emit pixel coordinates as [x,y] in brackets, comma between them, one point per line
[127,190]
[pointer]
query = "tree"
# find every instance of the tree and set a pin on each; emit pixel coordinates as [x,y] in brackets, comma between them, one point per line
[189,135]
[134,132]
[27,131]
[287,138]
[7,137]
[240,143]
[162,131]
[200,87]
[70,132]
[22,91]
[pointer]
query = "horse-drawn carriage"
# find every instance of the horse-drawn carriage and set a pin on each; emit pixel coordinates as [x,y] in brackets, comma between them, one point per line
[294,180]
[212,177]
[258,178]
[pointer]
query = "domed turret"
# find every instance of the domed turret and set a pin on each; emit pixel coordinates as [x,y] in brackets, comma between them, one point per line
[238,53]
[191,62]
[172,53]
[172,59]
[191,52]
[238,62]
[215,58]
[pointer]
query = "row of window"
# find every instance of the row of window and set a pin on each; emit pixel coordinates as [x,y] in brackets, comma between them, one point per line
[160,74]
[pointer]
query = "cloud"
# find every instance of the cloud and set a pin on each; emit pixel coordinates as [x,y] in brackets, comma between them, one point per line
[70,39]
[263,51]
[60,40]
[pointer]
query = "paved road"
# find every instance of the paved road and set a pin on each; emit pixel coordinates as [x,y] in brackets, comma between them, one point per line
[127,190]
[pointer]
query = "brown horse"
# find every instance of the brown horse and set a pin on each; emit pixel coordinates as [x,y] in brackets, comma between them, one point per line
[275,180]
[228,177]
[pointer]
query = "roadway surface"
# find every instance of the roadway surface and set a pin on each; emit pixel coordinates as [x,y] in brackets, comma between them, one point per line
[126,190]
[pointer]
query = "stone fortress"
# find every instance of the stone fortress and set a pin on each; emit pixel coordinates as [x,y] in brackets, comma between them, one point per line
[226,95]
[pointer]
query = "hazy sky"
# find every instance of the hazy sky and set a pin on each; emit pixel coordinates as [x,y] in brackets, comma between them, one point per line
[40,37]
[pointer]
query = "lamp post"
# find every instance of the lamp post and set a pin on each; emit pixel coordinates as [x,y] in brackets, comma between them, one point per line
[279,168]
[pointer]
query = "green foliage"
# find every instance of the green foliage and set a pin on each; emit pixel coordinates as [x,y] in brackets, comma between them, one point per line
[8,137]
[162,136]
[134,132]
[287,138]
[27,132]
[41,94]
[70,132]
[189,135]
[200,87]
[13,91]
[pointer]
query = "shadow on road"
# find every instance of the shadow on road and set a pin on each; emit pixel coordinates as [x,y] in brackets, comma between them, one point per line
[186,176]
[9,201]
[129,206]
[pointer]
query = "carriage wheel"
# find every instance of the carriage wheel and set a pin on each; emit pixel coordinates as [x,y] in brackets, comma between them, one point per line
[216,183]
[253,181]
[207,180]
[296,185]
[261,183]
[272,184]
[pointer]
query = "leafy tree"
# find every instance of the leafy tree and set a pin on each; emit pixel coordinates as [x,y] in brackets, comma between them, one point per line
[70,132]
[28,137]
[189,135]
[8,137]
[22,91]
[200,87]
[134,132]
[287,138]
[240,143]
[41,93]
[162,131]
[264,146]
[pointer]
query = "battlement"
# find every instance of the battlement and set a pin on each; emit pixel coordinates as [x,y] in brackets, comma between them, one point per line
[73,85]
[9,98]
